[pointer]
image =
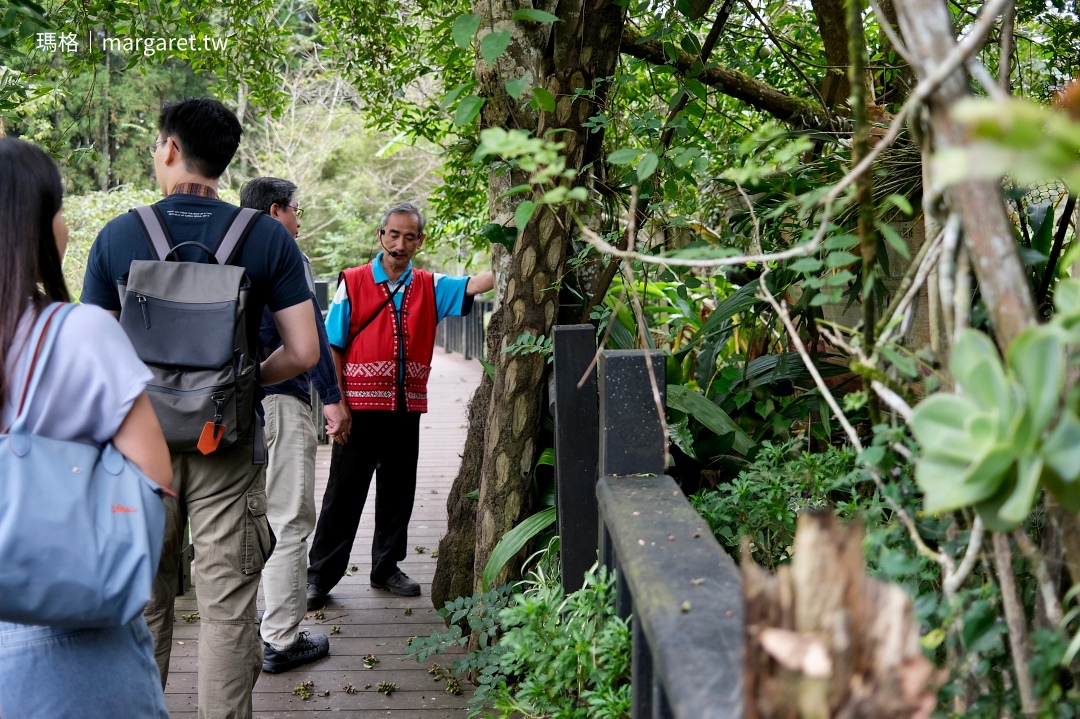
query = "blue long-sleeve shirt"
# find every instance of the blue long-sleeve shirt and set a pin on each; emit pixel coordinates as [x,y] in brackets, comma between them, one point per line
[323,375]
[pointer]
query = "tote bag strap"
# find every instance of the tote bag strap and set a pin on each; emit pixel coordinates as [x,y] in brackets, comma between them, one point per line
[41,340]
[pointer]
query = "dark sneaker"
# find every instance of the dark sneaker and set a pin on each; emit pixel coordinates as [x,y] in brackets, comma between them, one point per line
[399,584]
[307,648]
[316,598]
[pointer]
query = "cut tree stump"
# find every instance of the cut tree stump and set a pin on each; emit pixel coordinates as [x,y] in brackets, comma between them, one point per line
[825,640]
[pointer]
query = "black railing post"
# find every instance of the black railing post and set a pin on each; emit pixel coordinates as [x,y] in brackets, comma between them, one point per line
[631,414]
[576,449]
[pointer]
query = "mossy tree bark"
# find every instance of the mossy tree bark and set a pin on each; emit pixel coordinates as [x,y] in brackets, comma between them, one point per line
[564,58]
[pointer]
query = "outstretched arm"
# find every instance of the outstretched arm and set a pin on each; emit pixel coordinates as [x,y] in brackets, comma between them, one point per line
[481,283]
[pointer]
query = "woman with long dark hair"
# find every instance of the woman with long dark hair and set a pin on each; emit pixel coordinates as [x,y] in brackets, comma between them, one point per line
[93,390]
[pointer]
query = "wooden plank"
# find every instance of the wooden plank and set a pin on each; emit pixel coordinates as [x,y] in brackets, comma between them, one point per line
[576,451]
[687,594]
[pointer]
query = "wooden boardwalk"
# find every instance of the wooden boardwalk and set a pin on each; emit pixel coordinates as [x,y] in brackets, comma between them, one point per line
[371,622]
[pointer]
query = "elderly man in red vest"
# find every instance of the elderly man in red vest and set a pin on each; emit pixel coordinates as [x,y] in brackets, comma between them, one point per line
[381,327]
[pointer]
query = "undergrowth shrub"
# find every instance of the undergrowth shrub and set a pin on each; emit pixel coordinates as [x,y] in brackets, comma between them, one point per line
[540,652]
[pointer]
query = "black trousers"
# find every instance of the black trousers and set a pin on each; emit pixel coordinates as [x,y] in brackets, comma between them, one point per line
[384,443]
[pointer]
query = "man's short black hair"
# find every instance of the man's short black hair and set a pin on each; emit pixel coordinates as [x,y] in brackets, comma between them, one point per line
[262,192]
[207,132]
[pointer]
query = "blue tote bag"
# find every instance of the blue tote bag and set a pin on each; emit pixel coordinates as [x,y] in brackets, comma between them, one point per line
[81,528]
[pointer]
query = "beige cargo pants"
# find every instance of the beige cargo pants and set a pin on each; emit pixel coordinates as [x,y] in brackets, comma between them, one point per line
[224,497]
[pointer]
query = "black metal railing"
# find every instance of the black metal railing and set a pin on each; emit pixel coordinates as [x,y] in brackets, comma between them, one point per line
[465,335]
[683,592]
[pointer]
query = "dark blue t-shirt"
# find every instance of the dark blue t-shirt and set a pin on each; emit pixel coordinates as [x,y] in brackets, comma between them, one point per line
[273,262]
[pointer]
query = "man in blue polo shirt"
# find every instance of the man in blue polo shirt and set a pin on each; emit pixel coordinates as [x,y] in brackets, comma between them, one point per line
[223,494]
[291,445]
[381,327]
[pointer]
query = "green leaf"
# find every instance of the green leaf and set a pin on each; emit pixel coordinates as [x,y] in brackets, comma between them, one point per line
[468,110]
[1011,504]
[939,424]
[904,364]
[514,88]
[840,242]
[977,367]
[547,458]
[833,260]
[544,99]
[697,87]
[496,234]
[1067,298]
[1037,359]
[646,166]
[681,437]
[454,94]
[948,485]
[512,543]
[494,44]
[743,299]
[933,639]
[806,265]
[1041,217]
[465,26]
[718,421]
[475,494]
[900,202]
[1061,450]
[517,189]
[894,239]
[534,15]
[624,156]
[523,214]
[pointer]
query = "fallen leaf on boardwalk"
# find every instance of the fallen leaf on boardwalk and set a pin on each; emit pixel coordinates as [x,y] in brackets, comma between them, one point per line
[796,651]
[349,689]
[420,549]
[189,618]
[370,660]
[408,611]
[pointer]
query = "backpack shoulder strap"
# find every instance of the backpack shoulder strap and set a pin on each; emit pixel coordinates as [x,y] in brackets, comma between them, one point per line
[242,222]
[157,236]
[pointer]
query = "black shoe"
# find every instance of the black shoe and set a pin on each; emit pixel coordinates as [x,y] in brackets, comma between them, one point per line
[399,584]
[306,649]
[316,598]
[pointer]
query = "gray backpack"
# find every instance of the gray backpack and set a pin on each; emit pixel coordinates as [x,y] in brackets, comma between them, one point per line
[186,321]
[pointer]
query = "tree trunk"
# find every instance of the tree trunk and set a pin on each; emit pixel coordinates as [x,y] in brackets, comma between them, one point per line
[988,232]
[835,87]
[457,549]
[563,57]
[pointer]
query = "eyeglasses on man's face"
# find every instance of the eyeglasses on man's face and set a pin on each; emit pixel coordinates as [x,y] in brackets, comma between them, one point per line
[157,143]
[297,209]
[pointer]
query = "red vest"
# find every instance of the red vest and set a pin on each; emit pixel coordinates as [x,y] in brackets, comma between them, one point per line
[388,363]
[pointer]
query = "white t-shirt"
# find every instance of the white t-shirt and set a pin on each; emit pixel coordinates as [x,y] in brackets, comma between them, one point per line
[92,378]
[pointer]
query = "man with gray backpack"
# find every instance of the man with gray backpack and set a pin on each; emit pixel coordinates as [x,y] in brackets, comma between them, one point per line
[189,278]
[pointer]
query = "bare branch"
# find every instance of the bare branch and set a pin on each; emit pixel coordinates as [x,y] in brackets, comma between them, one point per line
[1047,587]
[971,556]
[1014,618]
